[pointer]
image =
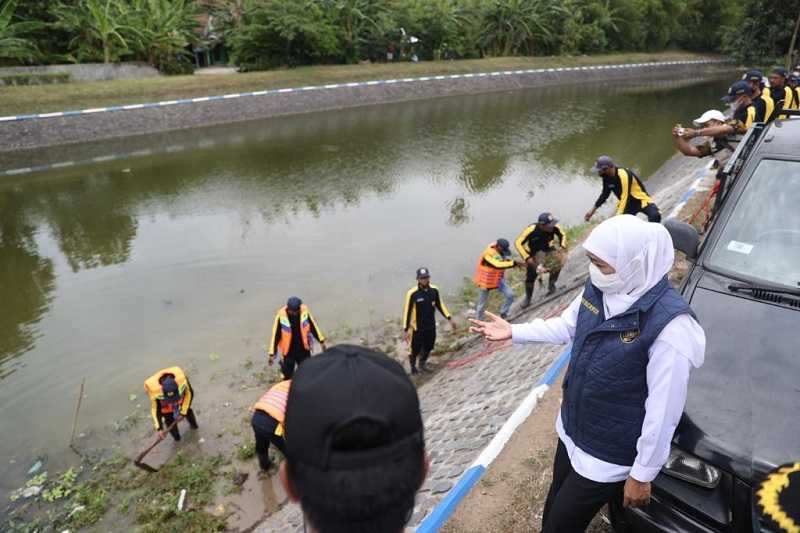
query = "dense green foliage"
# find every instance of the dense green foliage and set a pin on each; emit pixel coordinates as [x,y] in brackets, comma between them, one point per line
[157,31]
[270,33]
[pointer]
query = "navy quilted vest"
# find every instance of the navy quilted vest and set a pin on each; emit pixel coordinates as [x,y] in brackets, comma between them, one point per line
[605,386]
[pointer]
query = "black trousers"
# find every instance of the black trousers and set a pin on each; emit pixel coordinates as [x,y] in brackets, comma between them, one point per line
[573,500]
[295,358]
[652,212]
[169,418]
[264,428]
[422,343]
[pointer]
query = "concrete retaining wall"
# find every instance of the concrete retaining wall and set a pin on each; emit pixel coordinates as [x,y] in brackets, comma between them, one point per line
[89,71]
[53,129]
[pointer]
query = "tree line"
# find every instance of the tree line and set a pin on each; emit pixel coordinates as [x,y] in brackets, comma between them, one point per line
[263,34]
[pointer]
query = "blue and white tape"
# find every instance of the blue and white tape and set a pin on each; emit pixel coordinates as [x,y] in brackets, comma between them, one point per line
[350,85]
[440,514]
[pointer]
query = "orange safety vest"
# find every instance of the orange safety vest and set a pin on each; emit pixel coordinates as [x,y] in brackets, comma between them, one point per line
[487,276]
[273,402]
[152,386]
[286,329]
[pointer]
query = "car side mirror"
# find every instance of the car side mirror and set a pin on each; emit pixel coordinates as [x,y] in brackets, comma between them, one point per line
[684,237]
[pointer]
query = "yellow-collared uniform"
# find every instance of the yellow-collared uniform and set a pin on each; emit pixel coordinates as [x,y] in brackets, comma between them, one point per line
[769,107]
[491,268]
[282,332]
[421,304]
[533,240]
[158,405]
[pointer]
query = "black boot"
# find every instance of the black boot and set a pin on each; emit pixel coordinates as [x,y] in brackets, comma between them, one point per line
[528,293]
[412,361]
[423,363]
[551,288]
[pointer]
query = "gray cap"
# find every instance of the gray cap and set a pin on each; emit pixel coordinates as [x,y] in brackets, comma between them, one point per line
[602,162]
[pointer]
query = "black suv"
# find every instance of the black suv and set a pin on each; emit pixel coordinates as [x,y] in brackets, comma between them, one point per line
[742,416]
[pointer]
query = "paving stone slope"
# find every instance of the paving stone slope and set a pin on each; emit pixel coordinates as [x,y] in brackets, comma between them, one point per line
[464,407]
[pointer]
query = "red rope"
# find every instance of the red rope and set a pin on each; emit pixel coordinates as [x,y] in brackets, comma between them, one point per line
[491,347]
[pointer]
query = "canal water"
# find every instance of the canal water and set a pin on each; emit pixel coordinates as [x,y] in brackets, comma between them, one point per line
[181,253]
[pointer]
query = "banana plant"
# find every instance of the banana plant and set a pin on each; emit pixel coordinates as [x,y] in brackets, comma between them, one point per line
[13,44]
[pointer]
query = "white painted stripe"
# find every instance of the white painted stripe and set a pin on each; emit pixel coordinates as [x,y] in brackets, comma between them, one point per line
[332,86]
[139,153]
[518,417]
[309,88]
[470,75]
[8,119]
[373,82]
[260,93]
[103,158]
[353,84]
[391,81]
[229,96]
[16,171]
[201,99]
[133,106]
[438,77]
[424,78]
[288,90]
[168,102]
[50,115]
[63,164]
[94,110]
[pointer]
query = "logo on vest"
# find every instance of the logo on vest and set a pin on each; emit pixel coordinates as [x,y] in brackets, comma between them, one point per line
[629,336]
[588,305]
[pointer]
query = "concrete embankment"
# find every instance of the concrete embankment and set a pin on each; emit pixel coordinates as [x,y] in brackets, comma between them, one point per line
[53,129]
[465,406]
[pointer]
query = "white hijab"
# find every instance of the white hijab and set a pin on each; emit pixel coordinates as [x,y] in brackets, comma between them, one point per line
[641,253]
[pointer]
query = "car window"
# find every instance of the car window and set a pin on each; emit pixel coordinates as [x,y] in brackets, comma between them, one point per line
[761,239]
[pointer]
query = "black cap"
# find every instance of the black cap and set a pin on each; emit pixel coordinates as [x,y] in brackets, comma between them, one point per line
[778,498]
[502,245]
[737,89]
[423,272]
[170,388]
[547,218]
[754,75]
[342,385]
[294,303]
[780,71]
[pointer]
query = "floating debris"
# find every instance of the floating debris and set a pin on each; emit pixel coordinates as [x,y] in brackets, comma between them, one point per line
[35,468]
[181,500]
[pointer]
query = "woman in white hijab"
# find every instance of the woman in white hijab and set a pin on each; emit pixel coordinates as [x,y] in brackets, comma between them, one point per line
[635,341]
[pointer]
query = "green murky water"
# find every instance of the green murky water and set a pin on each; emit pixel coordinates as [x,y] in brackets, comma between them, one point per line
[115,270]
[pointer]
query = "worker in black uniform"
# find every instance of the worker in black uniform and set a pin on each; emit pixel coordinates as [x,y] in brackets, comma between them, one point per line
[543,247]
[782,95]
[626,186]
[419,319]
[762,100]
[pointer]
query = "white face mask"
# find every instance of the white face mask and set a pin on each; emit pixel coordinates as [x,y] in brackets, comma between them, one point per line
[607,283]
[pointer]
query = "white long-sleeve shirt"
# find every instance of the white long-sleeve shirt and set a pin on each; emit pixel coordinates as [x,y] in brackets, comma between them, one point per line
[679,346]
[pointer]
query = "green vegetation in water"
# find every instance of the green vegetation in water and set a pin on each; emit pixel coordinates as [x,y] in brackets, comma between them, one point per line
[156,509]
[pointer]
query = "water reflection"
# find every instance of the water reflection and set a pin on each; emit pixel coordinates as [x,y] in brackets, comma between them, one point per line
[26,283]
